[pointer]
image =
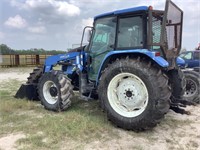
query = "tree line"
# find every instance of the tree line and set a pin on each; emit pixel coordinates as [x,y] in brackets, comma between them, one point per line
[6,50]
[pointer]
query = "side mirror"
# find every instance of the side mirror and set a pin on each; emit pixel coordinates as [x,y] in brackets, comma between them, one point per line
[89,34]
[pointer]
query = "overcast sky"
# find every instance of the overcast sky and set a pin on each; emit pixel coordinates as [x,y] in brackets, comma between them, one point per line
[57,24]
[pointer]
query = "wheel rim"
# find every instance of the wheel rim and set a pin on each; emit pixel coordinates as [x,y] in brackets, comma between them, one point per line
[127,95]
[50,97]
[191,88]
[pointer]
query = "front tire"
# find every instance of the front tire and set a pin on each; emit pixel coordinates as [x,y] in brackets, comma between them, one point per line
[35,75]
[55,91]
[134,93]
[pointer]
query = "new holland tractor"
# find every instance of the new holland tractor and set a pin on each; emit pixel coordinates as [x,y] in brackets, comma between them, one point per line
[131,64]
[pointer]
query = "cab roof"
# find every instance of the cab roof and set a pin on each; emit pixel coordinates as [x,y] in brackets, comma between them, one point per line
[122,11]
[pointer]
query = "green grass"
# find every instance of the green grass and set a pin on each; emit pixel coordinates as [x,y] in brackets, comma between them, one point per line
[81,124]
[83,121]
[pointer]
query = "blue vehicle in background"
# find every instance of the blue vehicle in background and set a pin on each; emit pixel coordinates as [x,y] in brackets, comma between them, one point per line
[131,64]
[192,58]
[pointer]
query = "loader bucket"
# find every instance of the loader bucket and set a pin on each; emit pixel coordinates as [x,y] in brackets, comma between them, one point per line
[28,91]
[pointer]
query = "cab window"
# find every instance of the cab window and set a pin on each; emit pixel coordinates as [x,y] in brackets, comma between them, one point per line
[130,32]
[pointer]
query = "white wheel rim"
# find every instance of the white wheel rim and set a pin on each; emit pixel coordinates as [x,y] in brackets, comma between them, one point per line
[46,92]
[127,95]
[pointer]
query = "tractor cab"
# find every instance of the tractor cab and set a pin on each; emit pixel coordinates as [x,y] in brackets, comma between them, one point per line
[138,31]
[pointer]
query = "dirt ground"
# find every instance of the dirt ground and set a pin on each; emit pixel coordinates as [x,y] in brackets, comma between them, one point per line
[176,131]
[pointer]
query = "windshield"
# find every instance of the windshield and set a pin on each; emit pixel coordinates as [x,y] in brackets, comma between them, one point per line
[104,35]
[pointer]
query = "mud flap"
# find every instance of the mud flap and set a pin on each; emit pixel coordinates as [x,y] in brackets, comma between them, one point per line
[28,91]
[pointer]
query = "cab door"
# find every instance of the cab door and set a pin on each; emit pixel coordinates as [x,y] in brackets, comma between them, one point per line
[103,40]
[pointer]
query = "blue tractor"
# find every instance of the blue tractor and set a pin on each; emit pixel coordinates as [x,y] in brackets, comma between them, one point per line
[131,65]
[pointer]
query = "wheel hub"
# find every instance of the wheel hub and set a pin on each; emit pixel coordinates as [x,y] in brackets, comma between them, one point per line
[50,92]
[190,88]
[53,91]
[129,94]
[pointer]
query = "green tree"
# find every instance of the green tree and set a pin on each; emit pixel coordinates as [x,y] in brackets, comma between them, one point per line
[5,50]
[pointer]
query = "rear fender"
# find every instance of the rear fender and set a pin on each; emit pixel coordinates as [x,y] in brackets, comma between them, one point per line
[152,55]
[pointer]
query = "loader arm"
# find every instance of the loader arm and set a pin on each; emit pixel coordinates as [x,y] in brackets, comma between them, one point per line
[68,59]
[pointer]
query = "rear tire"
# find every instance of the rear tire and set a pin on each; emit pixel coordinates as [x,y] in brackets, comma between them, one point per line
[192,92]
[177,82]
[55,91]
[134,93]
